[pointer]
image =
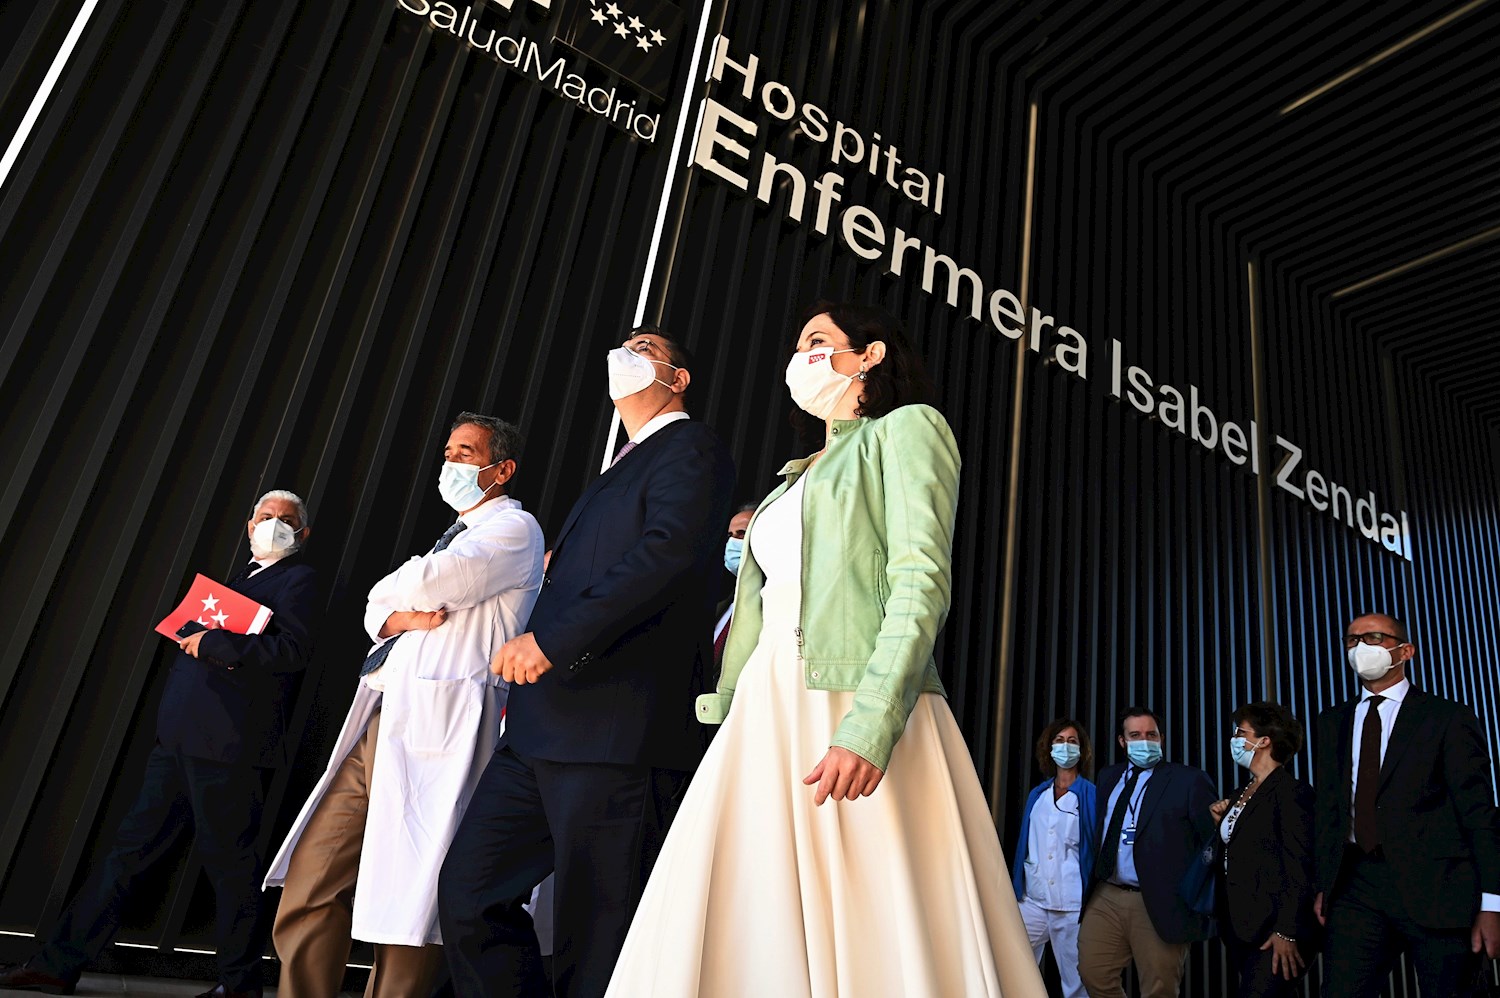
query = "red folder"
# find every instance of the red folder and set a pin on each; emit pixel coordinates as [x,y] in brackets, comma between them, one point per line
[216,607]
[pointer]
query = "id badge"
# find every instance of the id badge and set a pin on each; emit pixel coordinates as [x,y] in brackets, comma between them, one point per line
[1127,836]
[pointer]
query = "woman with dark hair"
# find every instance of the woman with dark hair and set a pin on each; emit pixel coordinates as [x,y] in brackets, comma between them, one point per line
[835,840]
[1265,881]
[1056,852]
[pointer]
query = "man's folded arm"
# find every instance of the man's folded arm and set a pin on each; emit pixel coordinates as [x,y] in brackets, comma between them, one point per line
[286,645]
[501,553]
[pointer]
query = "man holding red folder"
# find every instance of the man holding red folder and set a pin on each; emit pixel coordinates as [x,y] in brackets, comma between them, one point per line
[221,724]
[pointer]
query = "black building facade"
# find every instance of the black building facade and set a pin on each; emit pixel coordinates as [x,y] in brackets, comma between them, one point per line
[259,246]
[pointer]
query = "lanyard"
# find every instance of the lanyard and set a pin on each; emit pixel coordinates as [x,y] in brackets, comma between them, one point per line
[1133,805]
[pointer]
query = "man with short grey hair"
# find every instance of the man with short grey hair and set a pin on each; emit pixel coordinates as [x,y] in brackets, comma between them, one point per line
[363,857]
[221,725]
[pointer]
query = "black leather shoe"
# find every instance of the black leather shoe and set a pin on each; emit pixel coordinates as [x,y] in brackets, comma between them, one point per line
[220,991]
[20,977]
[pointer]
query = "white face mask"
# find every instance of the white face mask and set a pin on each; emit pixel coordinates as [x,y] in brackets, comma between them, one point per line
[1372,662]
[629,372]
[815,386]
[458,484]
[272,539]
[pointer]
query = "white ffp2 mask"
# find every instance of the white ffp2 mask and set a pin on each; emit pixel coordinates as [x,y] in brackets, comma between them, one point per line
[1372,662]
[272,539]
[629,373]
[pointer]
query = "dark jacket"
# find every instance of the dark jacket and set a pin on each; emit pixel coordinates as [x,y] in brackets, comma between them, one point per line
[626,611]
[1265,870]
[230,704]
[1173,825]
[1435,810]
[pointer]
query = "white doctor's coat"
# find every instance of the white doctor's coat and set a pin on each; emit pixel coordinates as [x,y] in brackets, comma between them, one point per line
[439,715]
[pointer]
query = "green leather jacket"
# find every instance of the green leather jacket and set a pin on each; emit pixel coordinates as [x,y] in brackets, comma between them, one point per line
[877,551]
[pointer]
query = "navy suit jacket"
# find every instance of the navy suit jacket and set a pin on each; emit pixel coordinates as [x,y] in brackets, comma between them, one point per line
[230,704]
[626,611]
[1435,809]
[1173,825]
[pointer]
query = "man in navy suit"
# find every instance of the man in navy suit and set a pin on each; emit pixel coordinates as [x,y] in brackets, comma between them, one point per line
[600,734]
[1408,838]
[1156,818]
[221,723]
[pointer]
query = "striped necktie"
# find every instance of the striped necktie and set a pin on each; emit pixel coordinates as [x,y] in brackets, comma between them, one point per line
[630,445]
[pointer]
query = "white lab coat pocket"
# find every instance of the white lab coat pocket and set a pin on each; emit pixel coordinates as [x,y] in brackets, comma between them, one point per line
[442,715]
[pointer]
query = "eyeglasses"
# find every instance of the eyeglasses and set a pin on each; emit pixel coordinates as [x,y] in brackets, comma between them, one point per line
[1371,638]
[642,345]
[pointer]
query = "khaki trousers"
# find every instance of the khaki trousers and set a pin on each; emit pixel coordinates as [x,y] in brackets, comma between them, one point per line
[1117,929]
[312,932]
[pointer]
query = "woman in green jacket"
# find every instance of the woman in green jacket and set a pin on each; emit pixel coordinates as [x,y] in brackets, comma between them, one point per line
[835,841]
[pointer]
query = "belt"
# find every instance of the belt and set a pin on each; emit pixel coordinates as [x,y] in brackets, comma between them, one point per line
[1123,887]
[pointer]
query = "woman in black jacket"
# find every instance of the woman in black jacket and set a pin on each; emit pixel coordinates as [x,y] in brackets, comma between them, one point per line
[1265,878]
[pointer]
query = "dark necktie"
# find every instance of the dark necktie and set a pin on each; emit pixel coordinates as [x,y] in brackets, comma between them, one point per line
[1366,832]
[630,445]
[719,641]
[377,657]
[245,573]
[1109,849]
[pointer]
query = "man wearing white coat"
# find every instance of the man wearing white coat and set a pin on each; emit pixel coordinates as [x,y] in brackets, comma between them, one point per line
[363,857]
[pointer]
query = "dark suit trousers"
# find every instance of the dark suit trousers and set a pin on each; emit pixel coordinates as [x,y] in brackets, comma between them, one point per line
[598,827]
[222,803]
[1368,928]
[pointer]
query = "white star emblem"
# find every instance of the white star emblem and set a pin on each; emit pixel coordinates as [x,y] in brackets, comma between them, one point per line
[212,603]
[598,16]
[658,37]
[622,31]
[614,11]
[201,621]
[636,24]
[221,617]
[641,43]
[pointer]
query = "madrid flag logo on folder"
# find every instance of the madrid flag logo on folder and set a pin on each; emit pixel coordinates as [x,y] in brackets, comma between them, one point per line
[215,607]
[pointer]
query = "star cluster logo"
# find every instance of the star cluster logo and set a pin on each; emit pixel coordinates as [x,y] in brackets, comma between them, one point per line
[219,619]
[636,39]
[630,28]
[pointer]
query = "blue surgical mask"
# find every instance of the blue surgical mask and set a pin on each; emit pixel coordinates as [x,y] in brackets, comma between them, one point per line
[1241,752]
[1066,754]
[734,550]
[458,484]
[1143,753]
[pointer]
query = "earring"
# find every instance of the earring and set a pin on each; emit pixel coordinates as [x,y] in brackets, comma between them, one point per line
[861,375]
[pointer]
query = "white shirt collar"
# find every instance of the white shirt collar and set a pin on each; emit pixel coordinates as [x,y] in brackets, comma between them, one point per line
[1396,693]
[265,563]
[657,422]
[488,508]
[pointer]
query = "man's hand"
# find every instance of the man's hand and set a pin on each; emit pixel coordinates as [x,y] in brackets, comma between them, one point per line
[520,660]
[843,775]
[190,643]
[1486,935]
[402,621]
[1218,809]
[1318,909]
[1286,959]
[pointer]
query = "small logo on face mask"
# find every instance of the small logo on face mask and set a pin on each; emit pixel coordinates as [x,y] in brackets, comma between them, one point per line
[813,358]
